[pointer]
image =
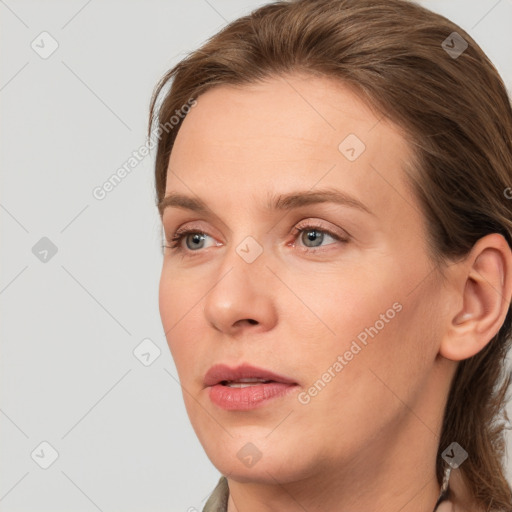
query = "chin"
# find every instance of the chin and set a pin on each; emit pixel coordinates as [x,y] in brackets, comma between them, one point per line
[260,461]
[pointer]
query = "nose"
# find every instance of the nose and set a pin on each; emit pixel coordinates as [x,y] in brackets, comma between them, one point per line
[242,297]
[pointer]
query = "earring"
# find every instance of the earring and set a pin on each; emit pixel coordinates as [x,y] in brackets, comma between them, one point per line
[446,479]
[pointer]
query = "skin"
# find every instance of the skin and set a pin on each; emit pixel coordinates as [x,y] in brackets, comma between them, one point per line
[368,439]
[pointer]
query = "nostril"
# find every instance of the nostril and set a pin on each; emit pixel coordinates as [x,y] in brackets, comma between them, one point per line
[251,321]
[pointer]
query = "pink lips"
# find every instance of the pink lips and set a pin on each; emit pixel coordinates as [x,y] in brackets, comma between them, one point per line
[251,395]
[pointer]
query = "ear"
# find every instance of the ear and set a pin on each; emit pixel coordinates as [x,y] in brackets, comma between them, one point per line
[483,285]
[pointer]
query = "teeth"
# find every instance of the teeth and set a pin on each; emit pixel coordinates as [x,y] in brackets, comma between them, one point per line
[243,383]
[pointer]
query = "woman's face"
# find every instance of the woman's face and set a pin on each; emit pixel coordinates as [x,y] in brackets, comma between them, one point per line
[345,311]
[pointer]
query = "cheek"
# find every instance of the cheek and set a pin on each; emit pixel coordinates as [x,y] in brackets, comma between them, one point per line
[167,303]
[382,369]
[376,327]
[357,305]
[178,311]
[397,341]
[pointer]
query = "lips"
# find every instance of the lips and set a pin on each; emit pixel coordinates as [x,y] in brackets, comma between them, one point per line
[245,387]
[243,374]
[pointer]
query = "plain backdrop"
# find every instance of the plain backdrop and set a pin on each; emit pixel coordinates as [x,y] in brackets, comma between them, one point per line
[85,424]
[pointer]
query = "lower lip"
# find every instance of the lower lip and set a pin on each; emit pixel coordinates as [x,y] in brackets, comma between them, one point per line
[250,397]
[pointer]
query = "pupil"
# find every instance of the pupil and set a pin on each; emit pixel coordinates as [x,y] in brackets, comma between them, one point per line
[196,237]
[313,235]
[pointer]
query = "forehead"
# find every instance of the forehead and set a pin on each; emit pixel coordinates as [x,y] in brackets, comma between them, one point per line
[284,133]
[286,114]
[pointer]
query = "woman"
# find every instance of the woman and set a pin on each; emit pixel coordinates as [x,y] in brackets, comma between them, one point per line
[333,178]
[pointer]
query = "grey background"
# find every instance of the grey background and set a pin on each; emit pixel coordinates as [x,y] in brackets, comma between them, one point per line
[70,325]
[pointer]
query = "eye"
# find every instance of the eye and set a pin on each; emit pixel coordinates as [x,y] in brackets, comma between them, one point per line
[312,237]
[196,241]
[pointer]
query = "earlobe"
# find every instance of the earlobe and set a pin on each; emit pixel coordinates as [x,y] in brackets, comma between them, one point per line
[483,282]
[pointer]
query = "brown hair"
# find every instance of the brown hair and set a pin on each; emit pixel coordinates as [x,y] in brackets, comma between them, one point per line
[457,117]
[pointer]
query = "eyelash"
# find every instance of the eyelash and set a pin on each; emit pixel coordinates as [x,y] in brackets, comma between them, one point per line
[175,242]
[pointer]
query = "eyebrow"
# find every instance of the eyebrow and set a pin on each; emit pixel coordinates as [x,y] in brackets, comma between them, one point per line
[280,202]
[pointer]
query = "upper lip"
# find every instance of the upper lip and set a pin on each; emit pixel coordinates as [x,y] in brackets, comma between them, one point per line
[221,372]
